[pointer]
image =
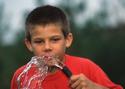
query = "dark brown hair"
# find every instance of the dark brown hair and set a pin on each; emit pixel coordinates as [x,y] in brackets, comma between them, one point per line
[47,15]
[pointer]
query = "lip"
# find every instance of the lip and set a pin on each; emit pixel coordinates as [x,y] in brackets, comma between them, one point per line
[51,62]
[47,55]
[50,59]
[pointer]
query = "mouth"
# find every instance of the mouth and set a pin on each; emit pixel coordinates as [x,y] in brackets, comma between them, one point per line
[50,60]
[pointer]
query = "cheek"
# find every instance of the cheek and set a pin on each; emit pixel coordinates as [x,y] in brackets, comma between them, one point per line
[60,49]
[37,50]
[60,52]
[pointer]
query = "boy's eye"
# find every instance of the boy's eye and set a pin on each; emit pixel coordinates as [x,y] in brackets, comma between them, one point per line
[55,39]
[38,41]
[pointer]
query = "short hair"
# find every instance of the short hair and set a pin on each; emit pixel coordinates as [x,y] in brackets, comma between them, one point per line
[44,15]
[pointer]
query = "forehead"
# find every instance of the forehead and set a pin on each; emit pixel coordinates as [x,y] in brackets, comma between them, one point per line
[46,30]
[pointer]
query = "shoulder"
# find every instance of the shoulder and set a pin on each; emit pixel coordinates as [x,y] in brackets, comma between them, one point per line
[85,65]
[81,64]
[15,76]
[79,60]
[19,70]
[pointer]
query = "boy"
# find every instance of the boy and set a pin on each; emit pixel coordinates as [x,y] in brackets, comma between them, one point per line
[48,33]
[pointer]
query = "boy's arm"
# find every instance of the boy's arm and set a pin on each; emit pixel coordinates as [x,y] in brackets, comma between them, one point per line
[82,82]
[95,78]
[13,82]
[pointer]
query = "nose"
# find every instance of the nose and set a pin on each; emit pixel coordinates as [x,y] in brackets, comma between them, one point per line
[47,47]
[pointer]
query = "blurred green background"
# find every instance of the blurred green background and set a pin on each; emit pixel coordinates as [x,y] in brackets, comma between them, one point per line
[98,35]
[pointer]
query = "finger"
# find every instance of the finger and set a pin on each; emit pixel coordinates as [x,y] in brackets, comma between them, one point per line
[75,84]
[78,81]
[74,78]
[82,85]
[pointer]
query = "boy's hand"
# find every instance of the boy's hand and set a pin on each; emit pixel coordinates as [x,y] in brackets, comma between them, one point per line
[82,82]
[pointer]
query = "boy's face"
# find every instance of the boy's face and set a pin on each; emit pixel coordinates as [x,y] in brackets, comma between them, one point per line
[48,40]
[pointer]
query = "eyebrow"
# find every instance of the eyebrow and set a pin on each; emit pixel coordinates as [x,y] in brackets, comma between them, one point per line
[56,36]
[49,37]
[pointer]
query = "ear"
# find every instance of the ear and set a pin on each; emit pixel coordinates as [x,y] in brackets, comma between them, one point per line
[28,45]
[69,40]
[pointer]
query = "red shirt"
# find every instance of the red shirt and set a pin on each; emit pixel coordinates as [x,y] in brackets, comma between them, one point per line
[77,65]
